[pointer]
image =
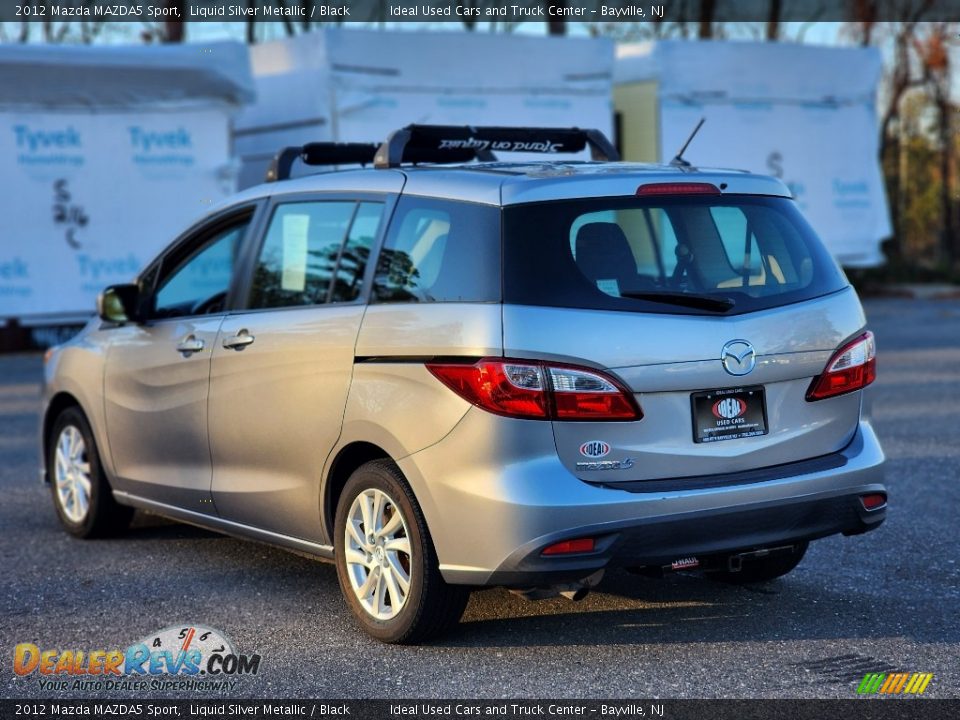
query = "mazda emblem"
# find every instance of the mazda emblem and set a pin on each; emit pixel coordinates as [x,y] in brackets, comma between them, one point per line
[738,357]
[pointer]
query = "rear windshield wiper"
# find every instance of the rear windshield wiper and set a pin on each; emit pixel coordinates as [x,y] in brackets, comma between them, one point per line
[692,300]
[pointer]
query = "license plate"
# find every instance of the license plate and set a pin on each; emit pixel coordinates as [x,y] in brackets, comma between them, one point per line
[729,414]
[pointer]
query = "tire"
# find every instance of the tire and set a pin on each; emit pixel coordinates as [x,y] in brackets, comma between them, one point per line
[762,569]
[401,553]
[80,490]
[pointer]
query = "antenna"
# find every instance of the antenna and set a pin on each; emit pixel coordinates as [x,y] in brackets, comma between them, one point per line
[678,158]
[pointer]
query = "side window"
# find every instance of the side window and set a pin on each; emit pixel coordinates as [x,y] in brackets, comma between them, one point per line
[440,251]
[198,285]
[299,254]
[356,252]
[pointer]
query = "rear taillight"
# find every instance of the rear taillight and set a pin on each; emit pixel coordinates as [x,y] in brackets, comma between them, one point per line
[852,367]
[544,391]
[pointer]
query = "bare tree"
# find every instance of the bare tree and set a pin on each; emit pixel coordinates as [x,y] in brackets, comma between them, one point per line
[865,19]
[773,20]
[305,12]
[708,10]
[556,24]
[900,78]
[934,57]
[470,20]
[251,23]
[287,22]
[174,27]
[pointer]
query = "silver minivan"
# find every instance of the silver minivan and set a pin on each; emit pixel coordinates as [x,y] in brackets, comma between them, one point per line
[445,376]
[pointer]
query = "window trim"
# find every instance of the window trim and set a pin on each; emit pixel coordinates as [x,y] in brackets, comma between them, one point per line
[245,284]
[189,243]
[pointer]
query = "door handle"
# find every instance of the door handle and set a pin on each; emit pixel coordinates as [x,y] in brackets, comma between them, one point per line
[238,341]
[189,345]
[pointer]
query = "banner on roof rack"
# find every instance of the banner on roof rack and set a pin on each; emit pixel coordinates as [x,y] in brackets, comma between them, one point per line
[482,142]
[504,139]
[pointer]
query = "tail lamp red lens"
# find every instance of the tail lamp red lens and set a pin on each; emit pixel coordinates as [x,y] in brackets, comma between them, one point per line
[537,390]
[852,367]
[569,547]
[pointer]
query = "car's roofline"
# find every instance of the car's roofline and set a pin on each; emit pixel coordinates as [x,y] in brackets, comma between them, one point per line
[503,184]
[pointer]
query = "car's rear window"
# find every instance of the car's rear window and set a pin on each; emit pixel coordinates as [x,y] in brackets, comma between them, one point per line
[748,252]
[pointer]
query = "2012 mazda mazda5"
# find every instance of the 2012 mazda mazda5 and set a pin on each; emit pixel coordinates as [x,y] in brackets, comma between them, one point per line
[450,376]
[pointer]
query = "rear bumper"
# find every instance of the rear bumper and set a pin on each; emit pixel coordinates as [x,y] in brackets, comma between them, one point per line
[490,522]
[656,541]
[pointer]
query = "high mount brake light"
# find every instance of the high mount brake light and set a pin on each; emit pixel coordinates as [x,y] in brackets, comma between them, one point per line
[536,390]
[684,188]
[852,367]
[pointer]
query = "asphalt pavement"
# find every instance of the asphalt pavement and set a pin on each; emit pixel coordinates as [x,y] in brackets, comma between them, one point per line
[882,602]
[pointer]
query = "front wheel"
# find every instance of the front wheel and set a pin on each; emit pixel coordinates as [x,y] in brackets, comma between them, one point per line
[81,492]
[386,563]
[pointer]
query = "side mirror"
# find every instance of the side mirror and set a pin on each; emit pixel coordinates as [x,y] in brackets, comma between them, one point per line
[119,303]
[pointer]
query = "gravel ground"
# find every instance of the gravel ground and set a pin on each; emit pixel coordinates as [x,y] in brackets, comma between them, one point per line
[880,602]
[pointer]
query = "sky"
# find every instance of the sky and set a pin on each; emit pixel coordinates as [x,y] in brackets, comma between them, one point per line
[827,33]
[815,33]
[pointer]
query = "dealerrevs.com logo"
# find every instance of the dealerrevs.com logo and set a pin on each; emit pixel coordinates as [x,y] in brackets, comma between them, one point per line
[180,657]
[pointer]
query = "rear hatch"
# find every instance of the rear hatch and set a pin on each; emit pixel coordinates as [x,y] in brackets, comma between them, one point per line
[715,311]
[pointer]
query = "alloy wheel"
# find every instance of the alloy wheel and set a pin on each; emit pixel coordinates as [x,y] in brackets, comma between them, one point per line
[72,474]
[378,554]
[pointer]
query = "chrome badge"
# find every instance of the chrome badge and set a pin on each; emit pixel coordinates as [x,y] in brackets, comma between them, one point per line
[738,357]
[625,464]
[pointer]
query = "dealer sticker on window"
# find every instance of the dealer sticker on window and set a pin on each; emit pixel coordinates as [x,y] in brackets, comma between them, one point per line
[729,414]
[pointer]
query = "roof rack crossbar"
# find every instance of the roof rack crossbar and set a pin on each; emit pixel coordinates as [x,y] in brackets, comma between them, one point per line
[443,144]
[317,154]
[407,143]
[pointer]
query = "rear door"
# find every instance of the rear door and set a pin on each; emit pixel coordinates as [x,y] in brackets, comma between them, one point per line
[282,365]
[716,311]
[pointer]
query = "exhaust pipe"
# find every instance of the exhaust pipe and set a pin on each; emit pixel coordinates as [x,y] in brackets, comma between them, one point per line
[575,591]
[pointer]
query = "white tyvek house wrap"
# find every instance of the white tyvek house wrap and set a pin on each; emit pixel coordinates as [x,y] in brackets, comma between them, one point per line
[803,113]
[108,154]
[360,85]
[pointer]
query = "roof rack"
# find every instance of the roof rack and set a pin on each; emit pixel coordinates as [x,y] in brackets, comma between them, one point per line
[443,144]
[331,153]
[483,141]
[319,153]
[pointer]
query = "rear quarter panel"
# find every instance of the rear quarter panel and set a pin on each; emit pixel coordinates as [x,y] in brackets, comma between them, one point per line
[394,401]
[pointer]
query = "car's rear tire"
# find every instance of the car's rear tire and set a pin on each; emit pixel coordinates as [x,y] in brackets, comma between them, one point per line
[80,489]
[386,562]
[763,569]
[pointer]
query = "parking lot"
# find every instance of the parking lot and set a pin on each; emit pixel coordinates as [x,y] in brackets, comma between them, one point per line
[882,602]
